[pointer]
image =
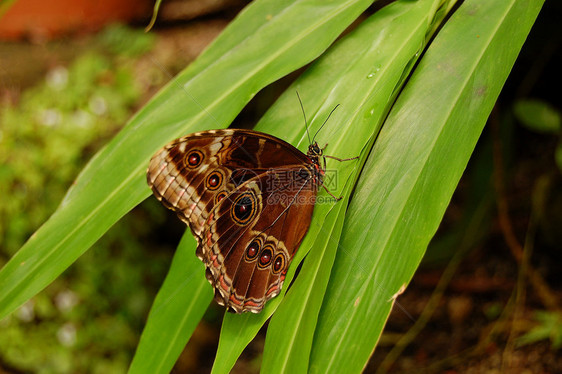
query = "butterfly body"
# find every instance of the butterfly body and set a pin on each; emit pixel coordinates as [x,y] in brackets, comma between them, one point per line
[248,199]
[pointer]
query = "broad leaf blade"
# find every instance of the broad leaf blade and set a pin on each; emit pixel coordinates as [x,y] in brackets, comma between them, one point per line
[412,172]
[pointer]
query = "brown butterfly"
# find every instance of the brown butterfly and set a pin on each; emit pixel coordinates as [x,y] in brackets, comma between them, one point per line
[248,199]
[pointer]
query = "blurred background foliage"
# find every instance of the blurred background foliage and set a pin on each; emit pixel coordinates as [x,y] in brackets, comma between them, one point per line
[490,284]
[97,309]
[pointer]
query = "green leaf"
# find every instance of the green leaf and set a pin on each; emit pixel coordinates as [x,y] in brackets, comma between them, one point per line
[549,327]
[411,174]
[538,116]
[266,41]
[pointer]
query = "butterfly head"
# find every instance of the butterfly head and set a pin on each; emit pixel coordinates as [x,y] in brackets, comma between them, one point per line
[315,155]
[314,152]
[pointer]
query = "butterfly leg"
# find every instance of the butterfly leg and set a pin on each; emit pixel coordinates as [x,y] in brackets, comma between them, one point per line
[336,158]
[331,194]
[342,159]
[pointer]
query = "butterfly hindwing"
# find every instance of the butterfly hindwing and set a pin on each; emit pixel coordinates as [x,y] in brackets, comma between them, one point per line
[253,234]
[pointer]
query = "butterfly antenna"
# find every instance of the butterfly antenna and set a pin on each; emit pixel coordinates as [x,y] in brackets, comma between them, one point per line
[325,121]
[304,115]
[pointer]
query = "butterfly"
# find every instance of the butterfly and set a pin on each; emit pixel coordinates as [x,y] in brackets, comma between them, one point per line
[248,199]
